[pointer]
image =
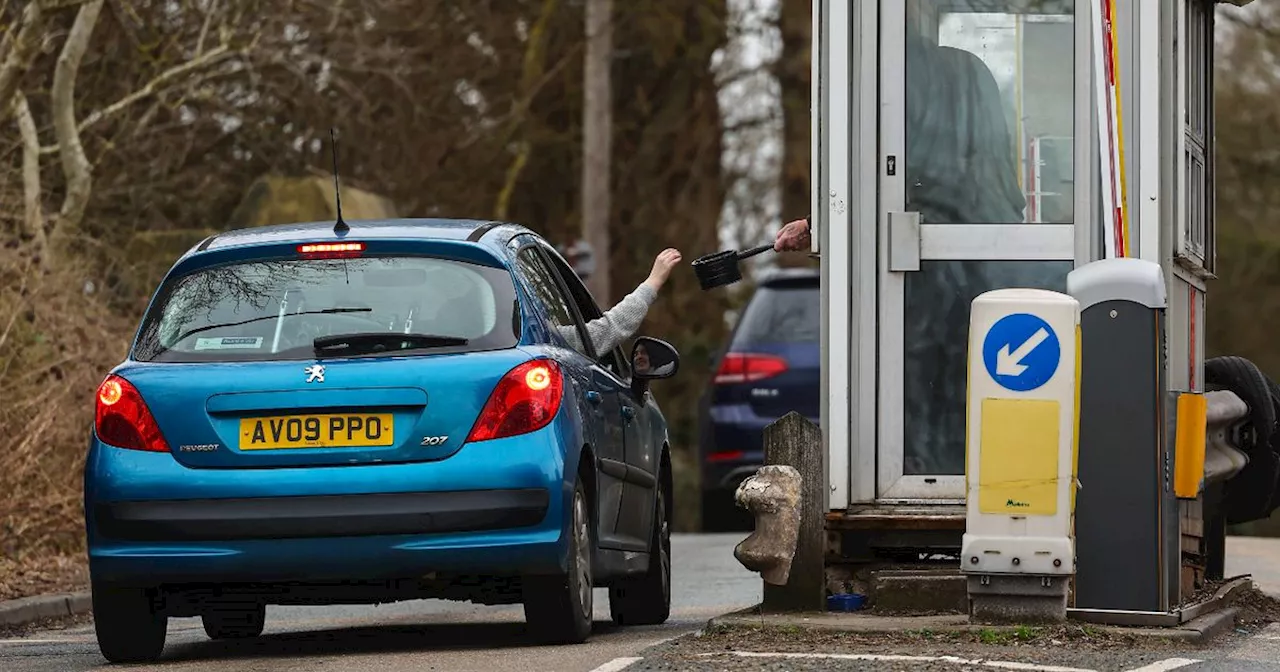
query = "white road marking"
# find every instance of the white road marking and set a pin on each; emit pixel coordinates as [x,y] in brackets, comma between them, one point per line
[617,664]
[1159,666]
[1006,665]
[1166,665]
[42,641]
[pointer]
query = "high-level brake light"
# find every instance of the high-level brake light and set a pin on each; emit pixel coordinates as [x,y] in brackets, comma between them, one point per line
[330,250]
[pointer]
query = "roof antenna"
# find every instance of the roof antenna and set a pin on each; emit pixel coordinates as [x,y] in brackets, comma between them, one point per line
[340,227]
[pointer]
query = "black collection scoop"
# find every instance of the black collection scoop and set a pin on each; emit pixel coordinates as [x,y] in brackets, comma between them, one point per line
[721,268]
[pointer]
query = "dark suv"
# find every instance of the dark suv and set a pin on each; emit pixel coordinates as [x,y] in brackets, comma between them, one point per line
[770,368]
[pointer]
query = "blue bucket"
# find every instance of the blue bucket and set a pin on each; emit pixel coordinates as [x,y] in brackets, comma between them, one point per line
[846,602]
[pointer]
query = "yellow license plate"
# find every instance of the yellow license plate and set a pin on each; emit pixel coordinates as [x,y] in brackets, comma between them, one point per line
[340,430]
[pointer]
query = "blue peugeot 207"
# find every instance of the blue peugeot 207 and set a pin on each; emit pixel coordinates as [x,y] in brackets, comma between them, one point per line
[370,412]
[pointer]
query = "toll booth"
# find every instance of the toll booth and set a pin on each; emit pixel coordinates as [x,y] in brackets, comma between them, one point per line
[961,146]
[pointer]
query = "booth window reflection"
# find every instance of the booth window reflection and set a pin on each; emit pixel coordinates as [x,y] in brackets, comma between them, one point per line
[990,120]
[991,111]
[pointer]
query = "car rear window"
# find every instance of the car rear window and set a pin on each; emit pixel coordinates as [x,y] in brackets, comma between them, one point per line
[274,309]
[782,314]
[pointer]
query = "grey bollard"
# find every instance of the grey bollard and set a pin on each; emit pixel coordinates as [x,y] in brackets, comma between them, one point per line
[1127,519]
[772,495]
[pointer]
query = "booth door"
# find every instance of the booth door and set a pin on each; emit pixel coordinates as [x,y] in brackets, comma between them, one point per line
[977,174]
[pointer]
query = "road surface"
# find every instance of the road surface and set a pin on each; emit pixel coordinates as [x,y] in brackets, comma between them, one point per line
[421,635]
[707,581]
[1258,557]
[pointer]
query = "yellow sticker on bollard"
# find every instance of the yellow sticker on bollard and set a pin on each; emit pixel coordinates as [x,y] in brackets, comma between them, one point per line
[1018,466]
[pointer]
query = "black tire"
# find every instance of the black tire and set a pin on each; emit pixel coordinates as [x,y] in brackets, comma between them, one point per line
[1242,377]
[1251,494]
[646,599]
[720,514]
[129,625]
[558,609]
[1275,445]
[234,621]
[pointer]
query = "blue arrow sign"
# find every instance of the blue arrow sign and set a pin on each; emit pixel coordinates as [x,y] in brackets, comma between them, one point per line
[1021,352]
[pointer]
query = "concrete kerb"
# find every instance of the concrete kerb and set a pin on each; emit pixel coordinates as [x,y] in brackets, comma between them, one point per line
[30,610]
[1200,629]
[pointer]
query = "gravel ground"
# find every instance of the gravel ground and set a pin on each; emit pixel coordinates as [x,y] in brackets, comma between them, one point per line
[1070,646]
[52,625]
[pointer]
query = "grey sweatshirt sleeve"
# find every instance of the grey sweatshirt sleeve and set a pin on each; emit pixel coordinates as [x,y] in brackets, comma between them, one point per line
[621,321]
[617,325]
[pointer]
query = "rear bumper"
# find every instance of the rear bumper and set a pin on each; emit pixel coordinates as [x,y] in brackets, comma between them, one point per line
[491,509]
[731,475]
[321,516]
[732,428]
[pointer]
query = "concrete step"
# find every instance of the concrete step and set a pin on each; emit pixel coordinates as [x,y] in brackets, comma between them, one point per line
[919,591]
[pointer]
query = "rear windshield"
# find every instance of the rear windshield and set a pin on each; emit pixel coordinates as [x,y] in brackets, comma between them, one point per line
[274,310]
[782,314]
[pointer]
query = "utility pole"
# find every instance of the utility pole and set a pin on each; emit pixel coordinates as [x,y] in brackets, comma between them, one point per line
[597,143]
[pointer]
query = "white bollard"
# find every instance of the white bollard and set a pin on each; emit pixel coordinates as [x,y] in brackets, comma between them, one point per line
[1020,477]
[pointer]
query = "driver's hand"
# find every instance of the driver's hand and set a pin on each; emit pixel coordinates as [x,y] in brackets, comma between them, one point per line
[662,265]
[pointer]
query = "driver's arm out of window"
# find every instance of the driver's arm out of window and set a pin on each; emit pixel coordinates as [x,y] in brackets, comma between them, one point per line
[618,324]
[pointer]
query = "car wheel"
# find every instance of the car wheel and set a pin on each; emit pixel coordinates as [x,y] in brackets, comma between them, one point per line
[129,626]
[558,609]
[234,621]
[1249,495]
[721,514]
[1244,378]
[646,599]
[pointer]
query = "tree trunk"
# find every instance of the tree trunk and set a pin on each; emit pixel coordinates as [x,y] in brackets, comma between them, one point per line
[19,50]
[792,71]
[597,142]
[75,165]
[32,206]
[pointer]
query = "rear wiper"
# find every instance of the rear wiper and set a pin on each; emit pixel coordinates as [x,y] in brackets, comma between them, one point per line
[381,341]
[326,311]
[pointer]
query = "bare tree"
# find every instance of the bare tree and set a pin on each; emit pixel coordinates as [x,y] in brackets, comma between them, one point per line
[75,164]
[597,141]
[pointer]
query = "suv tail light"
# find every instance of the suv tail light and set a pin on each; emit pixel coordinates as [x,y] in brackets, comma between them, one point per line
[748,368]
[525,400]
[121,418]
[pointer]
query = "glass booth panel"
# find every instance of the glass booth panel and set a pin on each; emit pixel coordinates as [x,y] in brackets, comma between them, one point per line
[935,347]
[990,111]
[990,107]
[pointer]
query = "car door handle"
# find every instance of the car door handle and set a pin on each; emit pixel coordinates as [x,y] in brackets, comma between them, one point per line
[594,398]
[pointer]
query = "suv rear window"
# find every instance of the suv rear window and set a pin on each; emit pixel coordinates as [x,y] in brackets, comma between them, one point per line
[275,309]
[785,313]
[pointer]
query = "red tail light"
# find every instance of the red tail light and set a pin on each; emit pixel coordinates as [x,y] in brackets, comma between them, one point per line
[525,400]
[748,368]
[122,419]
[330,250]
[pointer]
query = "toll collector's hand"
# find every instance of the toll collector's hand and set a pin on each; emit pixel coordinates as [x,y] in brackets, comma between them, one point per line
[662,265]
[794,237]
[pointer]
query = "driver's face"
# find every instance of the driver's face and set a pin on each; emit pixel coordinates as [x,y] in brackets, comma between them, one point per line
[641,359]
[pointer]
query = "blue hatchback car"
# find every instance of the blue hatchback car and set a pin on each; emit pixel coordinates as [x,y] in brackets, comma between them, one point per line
[379,411]
[772,366]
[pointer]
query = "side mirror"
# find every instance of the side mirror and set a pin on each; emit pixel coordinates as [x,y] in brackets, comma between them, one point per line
[652,359]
